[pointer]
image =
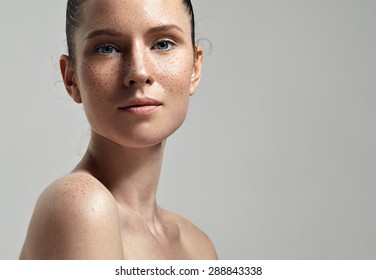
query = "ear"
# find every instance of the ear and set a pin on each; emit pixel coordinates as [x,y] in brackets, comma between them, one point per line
[69,78]
[197,69]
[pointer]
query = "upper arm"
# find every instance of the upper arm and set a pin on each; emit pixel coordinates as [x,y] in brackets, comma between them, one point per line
[74,220]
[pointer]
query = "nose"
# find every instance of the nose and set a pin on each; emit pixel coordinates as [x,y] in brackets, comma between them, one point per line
[138,72]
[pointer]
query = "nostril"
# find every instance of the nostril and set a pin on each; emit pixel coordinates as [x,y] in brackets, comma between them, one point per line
[133,82]
[139,82]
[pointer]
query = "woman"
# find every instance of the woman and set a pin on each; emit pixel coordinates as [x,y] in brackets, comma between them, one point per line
[133,65]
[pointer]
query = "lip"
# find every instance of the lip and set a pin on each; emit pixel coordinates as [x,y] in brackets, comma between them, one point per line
[141,106]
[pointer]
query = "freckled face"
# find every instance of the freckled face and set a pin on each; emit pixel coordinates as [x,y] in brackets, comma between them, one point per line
[132,51]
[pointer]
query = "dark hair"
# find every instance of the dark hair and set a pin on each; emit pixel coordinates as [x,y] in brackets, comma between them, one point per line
[74,17]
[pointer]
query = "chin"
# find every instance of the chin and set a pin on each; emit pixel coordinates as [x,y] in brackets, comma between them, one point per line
[141,143]
[138,134]
[145,138]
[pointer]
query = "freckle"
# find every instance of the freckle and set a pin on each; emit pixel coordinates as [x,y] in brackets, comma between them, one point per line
[92,209]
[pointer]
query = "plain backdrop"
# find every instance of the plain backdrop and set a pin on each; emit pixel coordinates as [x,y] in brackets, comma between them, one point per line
[277,158]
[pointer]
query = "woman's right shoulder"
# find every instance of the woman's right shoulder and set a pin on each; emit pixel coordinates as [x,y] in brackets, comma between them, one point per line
[79,185]
[80,192]
[76,217]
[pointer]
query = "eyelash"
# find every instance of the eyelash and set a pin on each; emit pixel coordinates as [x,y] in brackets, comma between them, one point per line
[113,49]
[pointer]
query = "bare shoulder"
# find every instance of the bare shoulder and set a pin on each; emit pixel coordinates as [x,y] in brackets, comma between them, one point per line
[76,217]
[197,243]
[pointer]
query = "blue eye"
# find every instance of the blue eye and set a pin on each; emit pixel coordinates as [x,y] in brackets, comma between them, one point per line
[164,45]
[106,50]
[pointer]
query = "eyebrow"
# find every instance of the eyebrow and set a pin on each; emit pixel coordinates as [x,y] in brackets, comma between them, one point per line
[102,32]
[164,28]
[114,33]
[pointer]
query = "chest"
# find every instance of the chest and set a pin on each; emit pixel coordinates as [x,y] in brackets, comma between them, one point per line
[143,247]
[139,243]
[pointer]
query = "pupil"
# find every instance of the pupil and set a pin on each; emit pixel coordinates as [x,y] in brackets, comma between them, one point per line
[107,49]
[163,45]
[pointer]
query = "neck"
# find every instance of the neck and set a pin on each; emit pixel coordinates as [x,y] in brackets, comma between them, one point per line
[130,174]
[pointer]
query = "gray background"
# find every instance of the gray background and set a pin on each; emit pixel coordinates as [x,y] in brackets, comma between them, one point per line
[277,158]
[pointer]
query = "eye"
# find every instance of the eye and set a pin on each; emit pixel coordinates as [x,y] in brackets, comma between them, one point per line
[164,45]
[106,50]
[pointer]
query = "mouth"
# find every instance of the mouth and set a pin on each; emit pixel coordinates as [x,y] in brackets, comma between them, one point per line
[141,106]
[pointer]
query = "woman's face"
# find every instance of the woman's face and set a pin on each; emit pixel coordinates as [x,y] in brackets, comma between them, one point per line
[134,70]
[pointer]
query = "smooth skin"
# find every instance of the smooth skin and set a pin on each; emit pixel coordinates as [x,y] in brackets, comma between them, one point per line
[106,208]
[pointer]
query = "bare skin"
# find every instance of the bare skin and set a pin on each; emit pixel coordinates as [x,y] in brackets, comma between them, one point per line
[126,51]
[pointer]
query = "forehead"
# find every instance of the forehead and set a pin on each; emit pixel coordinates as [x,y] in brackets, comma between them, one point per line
[134,14]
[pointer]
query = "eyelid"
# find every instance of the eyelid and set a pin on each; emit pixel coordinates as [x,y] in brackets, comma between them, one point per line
[172,41]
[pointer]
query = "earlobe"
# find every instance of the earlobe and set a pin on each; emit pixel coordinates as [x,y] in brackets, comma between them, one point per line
[69,78]
[197,69]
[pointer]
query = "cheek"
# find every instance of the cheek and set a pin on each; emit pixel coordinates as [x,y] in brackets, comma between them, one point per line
[97,82]
[174,75]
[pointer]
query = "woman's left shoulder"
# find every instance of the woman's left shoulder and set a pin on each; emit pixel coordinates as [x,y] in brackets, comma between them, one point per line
[197,242]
